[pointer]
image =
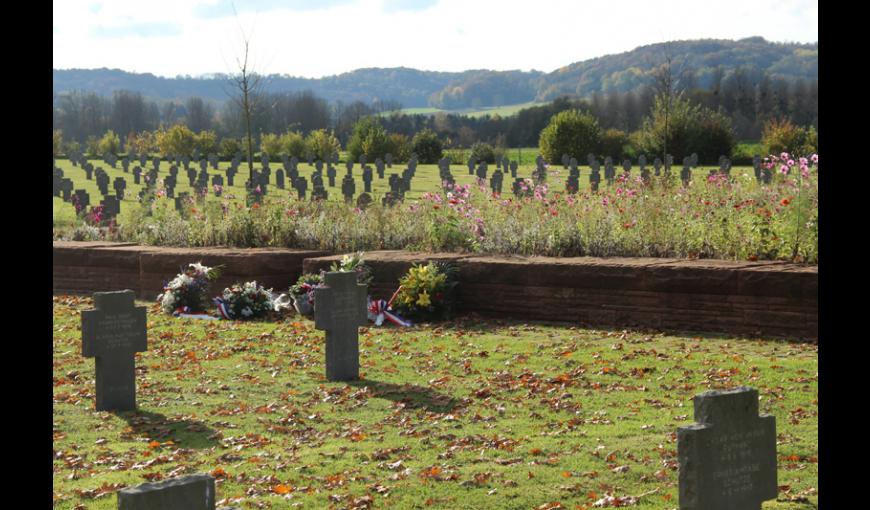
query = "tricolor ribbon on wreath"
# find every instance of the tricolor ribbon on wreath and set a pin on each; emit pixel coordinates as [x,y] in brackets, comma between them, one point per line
[379,309]
[222,308]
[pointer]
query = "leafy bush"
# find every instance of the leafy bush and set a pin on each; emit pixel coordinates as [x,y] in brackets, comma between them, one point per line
[230,147]
[206,142]
[322,144]
[612,143]
[141,143]
[782,136]
[690,128]
[481,151]
[178,140]
[92,145]
[428,146]
[569,132]
[57,142]
[293,144]
[369,138]
[271,145]
[400,147]
[457,156]
[72,147]
[110,142]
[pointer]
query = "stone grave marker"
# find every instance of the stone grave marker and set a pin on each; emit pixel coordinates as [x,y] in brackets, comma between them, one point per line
[191,492]
[217,183]
[348,188]
[686,172]
[363,200]
[83,199]
[657,164]
[137,175]
[389,159]
[367,178]
[595,176]
[318,192]
[301,185]
[279,178]
[513,167]
[112,333]
[330,174]
[362,159]
[125,163]
[66,187]
[471,164]
[119,184]
[626,166]
[728,458]
[349,165]
[340,309]
[565,160]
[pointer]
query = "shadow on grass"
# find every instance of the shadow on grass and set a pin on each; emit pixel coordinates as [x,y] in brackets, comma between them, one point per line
[157,427]
[411,395]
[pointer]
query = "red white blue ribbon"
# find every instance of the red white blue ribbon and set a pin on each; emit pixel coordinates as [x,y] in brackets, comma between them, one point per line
[378,310]
[223,310]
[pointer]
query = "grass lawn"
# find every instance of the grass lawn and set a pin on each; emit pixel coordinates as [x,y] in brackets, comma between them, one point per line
[426,179]
[466,414]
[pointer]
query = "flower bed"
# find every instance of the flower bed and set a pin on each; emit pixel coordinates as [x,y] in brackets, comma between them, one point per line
[716,216]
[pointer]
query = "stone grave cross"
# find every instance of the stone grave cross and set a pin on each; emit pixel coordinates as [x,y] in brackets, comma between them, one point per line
[340,309]
[112,333]
[728,458]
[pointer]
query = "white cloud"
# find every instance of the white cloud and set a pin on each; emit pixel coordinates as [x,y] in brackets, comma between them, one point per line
[170,37]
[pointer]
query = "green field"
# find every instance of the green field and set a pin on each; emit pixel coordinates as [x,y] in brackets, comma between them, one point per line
[458,415]
[425,180]
[504,111]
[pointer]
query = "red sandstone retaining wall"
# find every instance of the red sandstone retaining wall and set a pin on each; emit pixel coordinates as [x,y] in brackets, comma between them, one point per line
[93,267]
[746,298]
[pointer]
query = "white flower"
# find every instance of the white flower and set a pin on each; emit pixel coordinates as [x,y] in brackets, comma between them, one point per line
[246,312]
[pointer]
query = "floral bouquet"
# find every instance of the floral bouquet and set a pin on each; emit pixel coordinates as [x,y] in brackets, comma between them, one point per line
[245,301]
[188,291]
[426,292]
[303,292]
[355,263]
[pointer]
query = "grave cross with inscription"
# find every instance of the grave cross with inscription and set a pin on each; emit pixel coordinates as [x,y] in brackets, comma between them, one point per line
[340,309]
[112,333]
[728,458]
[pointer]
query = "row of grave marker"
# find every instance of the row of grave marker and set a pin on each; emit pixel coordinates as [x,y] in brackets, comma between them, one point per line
[727,459]
[258,182]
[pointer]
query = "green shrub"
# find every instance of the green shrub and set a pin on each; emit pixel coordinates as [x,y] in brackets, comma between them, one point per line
[569,132]
[271,145]
[690,128]
[782,136]
[322,144]
[230,147]
[428,146]
[178,140]
[612,143]
[206,142]
[400,147]
[110,142]
[457,156]
[57,142]
[481,151]
[293,144]
[369,138]
[72,147]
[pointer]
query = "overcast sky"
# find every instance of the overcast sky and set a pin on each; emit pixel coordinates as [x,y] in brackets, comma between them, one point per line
[315,38]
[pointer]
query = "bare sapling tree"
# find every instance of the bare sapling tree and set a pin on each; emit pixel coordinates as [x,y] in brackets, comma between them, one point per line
[246,90]
[665,85]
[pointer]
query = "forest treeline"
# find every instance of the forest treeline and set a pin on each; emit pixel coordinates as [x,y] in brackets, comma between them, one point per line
[749,99]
